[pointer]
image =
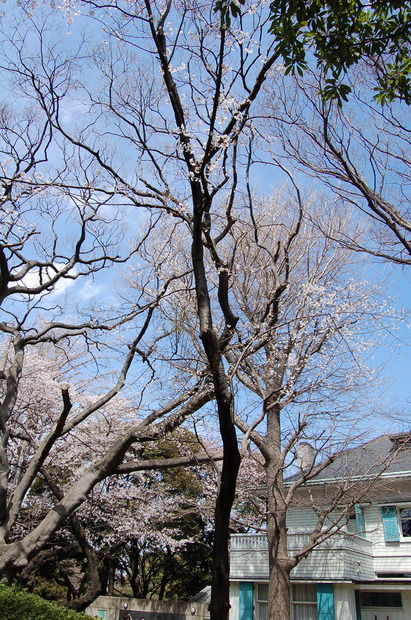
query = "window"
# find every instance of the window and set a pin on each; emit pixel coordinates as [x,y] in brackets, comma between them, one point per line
[405,518]
[381,599]
[396,523]
[352,524]
[102,614]
[304,601]
[262,601]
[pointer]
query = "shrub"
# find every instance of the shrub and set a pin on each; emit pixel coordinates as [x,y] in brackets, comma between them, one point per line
[16,604]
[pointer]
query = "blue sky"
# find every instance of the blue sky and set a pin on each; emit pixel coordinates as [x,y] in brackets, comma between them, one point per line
[398,362]
[397,358]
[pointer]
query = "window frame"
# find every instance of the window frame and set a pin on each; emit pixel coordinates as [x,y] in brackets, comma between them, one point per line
[259,601]
[379,593]
[399,507]
[295,603]
[360,520]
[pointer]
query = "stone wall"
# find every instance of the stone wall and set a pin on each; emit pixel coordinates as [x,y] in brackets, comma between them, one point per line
[117,608]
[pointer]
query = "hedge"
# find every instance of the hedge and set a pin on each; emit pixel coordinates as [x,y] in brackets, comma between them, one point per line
[17,604]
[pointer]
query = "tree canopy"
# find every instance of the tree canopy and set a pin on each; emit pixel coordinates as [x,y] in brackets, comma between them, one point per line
[339,35]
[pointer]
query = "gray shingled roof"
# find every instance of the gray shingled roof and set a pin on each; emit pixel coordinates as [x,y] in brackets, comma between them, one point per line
[388,454]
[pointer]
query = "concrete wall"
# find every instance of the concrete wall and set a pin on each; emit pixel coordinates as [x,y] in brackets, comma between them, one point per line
[143,609]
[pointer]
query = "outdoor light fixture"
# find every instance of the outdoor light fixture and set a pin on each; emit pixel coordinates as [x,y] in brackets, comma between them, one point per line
[125,605]
[193,610]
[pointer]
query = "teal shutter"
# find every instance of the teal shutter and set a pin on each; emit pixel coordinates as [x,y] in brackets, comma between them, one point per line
[390,523]
[358,605]
[325,601]
[246,601]
[359,519]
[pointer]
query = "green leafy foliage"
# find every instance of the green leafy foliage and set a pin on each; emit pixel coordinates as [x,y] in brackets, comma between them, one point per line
[16,604]
[228,9]
[180,481]
[338,34]
[48,587]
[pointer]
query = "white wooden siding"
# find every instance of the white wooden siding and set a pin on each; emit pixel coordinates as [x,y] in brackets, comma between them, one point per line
[388,557]
[345,557]
[234,601]
[248,557]
[341,557]
[301,519]
[344,602]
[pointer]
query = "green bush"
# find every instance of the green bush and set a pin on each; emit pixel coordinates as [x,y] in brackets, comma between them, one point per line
[16,604]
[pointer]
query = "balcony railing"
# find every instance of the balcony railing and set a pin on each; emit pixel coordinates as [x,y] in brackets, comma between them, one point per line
[297,540]
[343,556]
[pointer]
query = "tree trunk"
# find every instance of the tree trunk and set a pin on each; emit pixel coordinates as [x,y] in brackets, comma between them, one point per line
[134,577]
[220,584]
[27,576]
[280,564]
[94,587]
[111,578]
[17,554]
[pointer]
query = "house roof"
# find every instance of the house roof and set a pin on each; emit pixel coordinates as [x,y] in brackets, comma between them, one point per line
[386,456]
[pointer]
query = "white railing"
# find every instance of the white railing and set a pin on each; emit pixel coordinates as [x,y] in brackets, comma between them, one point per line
[297,540]
[248,541]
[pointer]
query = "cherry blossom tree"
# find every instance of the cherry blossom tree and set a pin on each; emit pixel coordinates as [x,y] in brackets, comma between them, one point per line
[308,324]
[42,478]
[143,523]
[146,525]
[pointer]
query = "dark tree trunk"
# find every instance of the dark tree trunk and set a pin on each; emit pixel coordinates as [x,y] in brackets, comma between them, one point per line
[134,581]
[220,584]
[213,346]
[27,576]
[111,578]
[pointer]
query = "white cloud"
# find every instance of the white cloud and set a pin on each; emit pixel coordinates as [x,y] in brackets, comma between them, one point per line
[32,279]
[72,109]
[90,290]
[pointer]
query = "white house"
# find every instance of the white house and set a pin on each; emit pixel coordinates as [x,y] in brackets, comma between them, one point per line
[361,572]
